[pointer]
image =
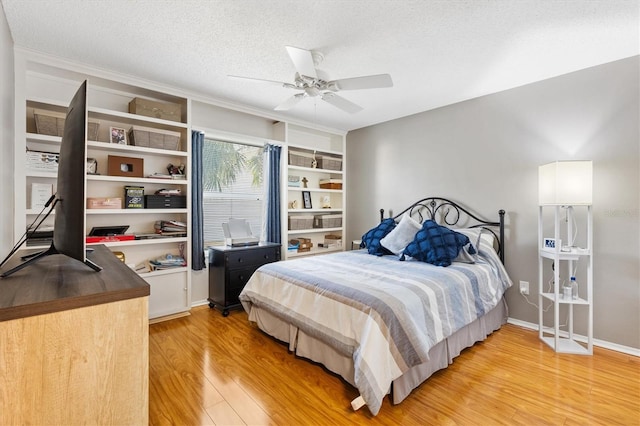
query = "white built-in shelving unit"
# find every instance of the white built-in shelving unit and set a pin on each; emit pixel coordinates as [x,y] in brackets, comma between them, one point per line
[312,143]
[41,85]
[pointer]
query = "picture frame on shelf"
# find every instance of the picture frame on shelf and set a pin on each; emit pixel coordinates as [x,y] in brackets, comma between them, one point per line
[118,135]
[306,199]
[92,166]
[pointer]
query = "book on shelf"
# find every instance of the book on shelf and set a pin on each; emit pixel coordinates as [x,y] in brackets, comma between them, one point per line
[169,191]
[165,226]
[109,238]
[156,235]
[159,176]
[167,262]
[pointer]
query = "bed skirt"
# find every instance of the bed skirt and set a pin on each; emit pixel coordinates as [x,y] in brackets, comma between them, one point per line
[440,356]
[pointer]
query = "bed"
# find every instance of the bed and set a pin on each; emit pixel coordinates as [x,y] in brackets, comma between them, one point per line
[383,319]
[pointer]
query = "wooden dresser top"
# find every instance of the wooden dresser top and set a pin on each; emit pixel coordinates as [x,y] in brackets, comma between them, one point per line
[57,283]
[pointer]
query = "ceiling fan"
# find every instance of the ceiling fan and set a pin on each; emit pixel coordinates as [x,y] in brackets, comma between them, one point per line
[315,83]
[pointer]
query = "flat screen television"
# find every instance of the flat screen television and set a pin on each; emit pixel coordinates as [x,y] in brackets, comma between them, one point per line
[69,202]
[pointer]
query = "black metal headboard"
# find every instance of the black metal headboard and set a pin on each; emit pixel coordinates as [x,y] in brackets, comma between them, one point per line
[450,213]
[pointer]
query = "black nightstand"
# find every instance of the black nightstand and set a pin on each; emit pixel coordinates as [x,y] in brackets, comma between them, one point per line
[231,267]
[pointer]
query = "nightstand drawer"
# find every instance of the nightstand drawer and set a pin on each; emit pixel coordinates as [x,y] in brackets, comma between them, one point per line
[237,278]
[252,257]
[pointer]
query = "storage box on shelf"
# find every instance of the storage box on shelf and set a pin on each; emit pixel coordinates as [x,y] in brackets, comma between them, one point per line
[327,221]
[52,123]
[333,241]
[331,183]
[38,161]
[300,221]
[154,138]
[329,162]
[165,201]
[133,197]
[104,203]
[156,109]
[301,159]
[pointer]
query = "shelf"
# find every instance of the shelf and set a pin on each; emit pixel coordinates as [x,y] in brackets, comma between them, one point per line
[169,271]
[49,175]
[128,118]
[316,170]
[564,255]
[136,180]
[300,211]
[148,241]
[38,211]
[314,250]
[106,146]
[135,211]
[296,189]
[309,149]
[552,297]
[313,230]
[44,139]
[566,345]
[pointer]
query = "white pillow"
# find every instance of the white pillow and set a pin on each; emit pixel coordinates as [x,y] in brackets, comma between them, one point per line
[478,236]
[396,240]
[464,256]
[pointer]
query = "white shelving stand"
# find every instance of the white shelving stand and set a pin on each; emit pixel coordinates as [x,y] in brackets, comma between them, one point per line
[565,258]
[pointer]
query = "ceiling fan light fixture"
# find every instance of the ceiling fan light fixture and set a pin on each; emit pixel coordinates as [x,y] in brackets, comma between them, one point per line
[312,91]
[316,83]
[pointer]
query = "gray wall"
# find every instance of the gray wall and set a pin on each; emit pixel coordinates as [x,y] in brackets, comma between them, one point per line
[485,153]
[6,137]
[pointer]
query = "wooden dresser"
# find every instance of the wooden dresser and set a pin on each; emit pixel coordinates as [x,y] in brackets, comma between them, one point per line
[231,268]
[75,343]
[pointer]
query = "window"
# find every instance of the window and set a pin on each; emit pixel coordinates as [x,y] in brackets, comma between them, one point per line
[232,185]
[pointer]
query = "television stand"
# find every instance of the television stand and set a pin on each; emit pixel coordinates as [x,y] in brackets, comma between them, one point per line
[34,257]
[77,340]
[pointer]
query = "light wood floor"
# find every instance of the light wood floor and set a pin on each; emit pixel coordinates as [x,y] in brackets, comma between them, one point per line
[206,369]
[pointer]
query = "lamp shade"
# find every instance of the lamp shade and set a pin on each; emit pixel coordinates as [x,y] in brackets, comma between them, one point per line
[567,183]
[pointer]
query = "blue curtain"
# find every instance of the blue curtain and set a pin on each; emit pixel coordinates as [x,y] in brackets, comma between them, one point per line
[197,236]
[272,182]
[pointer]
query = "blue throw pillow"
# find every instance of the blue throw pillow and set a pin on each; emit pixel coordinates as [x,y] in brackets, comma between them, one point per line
[371,240]
[436,244]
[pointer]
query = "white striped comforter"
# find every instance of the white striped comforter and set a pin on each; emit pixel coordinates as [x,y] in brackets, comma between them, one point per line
[384,313]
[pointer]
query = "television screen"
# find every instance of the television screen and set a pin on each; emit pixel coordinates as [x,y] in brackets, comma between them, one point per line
[69,223]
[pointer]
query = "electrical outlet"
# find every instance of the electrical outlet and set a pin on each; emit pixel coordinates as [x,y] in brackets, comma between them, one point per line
[524,287]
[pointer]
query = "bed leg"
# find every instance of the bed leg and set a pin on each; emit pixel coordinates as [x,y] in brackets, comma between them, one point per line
[357,403]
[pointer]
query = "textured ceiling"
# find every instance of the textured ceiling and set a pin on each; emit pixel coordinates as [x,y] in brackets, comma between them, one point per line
[437,52]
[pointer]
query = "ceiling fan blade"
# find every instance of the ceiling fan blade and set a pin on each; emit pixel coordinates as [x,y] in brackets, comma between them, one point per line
[290,103]
[341,103]
[365,82]
[302,61]
[259,80]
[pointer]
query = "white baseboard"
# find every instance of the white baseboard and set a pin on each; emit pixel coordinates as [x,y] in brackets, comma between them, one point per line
[199,302]
[596,342]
